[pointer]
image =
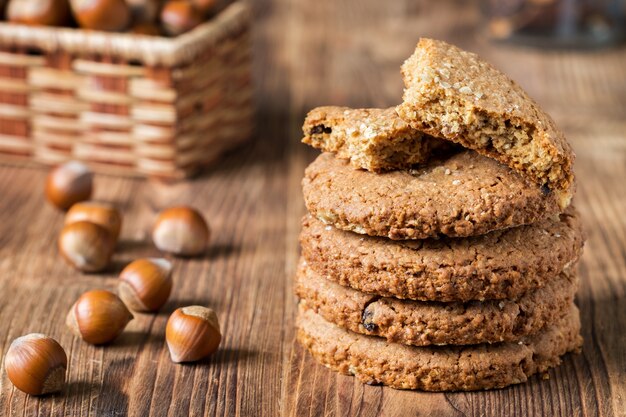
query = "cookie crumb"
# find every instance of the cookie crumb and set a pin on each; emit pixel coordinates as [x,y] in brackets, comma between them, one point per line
[448,172]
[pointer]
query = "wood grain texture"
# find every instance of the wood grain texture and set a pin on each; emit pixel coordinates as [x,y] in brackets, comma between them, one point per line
[309,53]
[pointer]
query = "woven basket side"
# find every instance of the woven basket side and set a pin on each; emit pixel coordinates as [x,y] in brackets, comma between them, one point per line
[107,126]
[15,89]
[55,110]
[217,114]
[155,124]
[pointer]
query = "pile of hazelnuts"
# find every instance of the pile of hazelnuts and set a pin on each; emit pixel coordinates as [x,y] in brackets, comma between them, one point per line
[145,17]
[36,363]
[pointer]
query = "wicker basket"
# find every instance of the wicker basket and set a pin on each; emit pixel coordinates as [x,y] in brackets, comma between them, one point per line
[126,104]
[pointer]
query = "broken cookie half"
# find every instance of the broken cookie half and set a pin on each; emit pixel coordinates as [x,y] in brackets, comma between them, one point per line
[454,94]
[373,139]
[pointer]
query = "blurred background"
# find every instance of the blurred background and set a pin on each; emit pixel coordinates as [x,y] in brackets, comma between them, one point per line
[361,41]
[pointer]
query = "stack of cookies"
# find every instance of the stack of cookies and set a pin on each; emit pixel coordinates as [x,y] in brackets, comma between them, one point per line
[440,248]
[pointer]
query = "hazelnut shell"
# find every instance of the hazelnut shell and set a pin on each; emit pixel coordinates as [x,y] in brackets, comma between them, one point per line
[68,184]
[181,231]
[98,317]
[102,214]
[179,16]
[146,284]
[86,246]
[36,364]
[105,15]
[192,333]
[38,12]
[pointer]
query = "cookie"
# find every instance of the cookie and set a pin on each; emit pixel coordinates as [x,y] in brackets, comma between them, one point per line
[423,323]
[454,94]
[462,194]
[441,368]
[373,139]
[500,265]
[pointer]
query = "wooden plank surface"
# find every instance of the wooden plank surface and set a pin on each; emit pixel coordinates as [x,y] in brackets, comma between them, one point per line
[310,53]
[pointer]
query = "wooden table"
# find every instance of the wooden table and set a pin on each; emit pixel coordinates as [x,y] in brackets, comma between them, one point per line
[310,53]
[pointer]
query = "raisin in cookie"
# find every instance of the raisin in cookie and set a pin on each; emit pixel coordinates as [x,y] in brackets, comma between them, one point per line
[424,323]
[441,368]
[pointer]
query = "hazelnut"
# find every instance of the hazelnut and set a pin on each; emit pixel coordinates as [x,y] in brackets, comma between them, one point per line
[107,15]
[86,246]
[39,12]
[144,11]
[146,284]
[98,317]
[69,184]
[179,16]
[192,333]
[181,231]
[102,214]
[205,7]
[147,29]
[36,364]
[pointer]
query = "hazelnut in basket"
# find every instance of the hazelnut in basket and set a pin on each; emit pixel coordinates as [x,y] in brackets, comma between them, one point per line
[38,12]
[206,7]
[107,15]
[144,11]
[179,16]
[148,29]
